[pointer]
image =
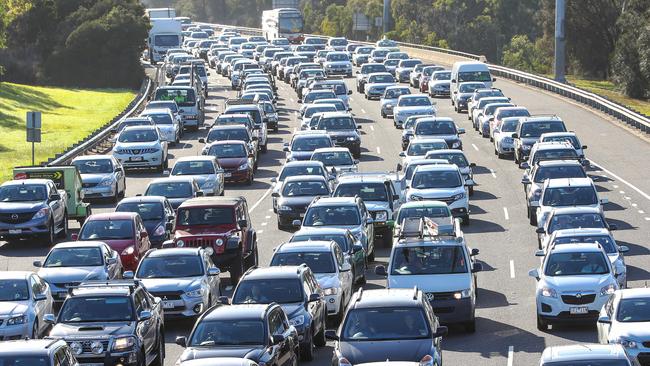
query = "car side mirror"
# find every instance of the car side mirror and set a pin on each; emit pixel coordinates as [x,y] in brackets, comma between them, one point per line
[251,155]
[128,275]
[169,226]
[402,154]
[111,261]
[613,227]
[515,136]
[277,338]
[202,140]
[224,300]
[358,72]
[355,161]
[213,271]
[314,297]
[299,101]
[275,194]
[296,223]
[494,79]
[623,249]
[359,127]
[474,252]
[461,131]
[539,253]
[349,92]
[331,334]
[477,267]
[453,80]
[357,248]
[37,264]
[145,315]
[525,180]
[285,148]
[254,138]
[242,223]
[40,296]
[199,193]
[524,165]
[49,318]
[380,270]
[534,273]
[181,341]
[540,230]
[604,320]
[441,331]
[398,167]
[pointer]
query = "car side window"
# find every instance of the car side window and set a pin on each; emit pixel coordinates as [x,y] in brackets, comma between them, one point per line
[36,289]
[609,306]
[339,257]
[275,322]
[140,302]
[61,358]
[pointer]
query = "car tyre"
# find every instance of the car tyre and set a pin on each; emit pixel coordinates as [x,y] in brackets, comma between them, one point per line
[50,237]
[319,338]
[64,230]
[307,352]
[465,220]
[371,256]
[533,216]
[252,260]
[470,190]
[160,352]
[542,325]
[264,148]
[236,269]
[35,334]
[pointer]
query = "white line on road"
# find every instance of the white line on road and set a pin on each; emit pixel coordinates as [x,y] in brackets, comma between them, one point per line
[641,212]
[622,180]
[261,199]
[372,128]
[351,99]
[475,147]
[634,205]
[505,213]
[270,210]
[267,217]
[292,100]
[512,268]
[621,192]
[260,231]
[265,223]
[363,111]
[615,185]
[494,175]
[511,351]
[378,150]
[647,218]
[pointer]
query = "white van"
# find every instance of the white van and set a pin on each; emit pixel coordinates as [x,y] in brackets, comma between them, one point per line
[464,71]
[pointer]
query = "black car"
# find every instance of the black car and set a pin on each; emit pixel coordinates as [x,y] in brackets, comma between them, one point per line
[115,322]
[296,290]
[36,352]
[343,131]
[395,324]
[260,333]
[157,214]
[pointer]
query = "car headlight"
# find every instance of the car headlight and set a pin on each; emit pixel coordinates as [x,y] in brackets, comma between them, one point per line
[455,145]
[194,293]
[627,343]
[76,348]
[160,231]
[548,292]
[381,216]
[427,360]
[123,343]
[284,208]
[180,243]
[459,196]
[17,320]
[525,147]
[330,291]
[608,290]
[299,320]
[128,250]
[43,212]
[389,106]
[351,138]
[106,183]
[208,184]
[243,166]
[463,294]
[415,197]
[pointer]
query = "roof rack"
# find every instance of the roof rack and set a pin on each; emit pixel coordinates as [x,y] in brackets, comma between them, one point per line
[415,292]
[360,292]
[131,284]
[239,101]
[421,227]
[546,158]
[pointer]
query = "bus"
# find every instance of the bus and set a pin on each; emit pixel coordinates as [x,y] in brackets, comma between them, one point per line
[283,23]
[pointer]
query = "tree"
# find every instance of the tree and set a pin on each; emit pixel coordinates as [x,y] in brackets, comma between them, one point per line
[522,54]
[630,64]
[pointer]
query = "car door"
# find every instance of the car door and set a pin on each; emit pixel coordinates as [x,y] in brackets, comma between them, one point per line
[118,173]
[146,328]
[317,309]
[605,328]
[369,227]
[282,350]
[220,179]
[358,258]
[40,306]
[57,206]
[345,276]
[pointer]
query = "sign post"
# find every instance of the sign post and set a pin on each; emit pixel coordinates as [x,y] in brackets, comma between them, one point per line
[33,130]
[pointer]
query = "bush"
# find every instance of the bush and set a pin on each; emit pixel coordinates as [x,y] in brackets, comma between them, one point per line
[522,54]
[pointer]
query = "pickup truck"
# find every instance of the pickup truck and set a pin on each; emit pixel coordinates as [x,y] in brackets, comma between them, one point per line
[33,208]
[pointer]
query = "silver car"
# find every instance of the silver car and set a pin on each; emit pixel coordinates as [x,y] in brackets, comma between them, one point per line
[389,99]
[102,176]
[24,300]
[205,170]
[185,279]
[168,126]
[71,263]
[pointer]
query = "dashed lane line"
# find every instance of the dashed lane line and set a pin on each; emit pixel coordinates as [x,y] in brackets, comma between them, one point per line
[512,268]
[266,193]
[378,150]
[475,147]
[505,213]
[372,128]
[645,195]
[494,174]
[363,111]
[511,353]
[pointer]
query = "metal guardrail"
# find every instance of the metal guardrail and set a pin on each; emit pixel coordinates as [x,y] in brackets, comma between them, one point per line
[103,132]
[593,100]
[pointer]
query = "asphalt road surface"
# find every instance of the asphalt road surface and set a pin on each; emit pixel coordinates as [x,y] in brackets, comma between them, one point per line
[506,331]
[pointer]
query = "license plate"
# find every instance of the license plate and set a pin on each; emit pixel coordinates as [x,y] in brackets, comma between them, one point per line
[136,158]
[227,175]
[62,295]
[302,214]
[579,310]
[168,305]
[15,231]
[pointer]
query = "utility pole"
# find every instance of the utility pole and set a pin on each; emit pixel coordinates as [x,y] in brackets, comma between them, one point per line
[560,40]
[386,20]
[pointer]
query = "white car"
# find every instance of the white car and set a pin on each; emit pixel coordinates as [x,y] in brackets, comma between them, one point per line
[337,159]
[624,320]
[168,126]
[377,84]
[571,137]
[388,101]
[327,262]
[460,98]
[25,300]
[567,192]
[411,105]
[504,144]
[205,170]
[573,283]
[141,147]
[418,147]
[439,83]
[338,63]
[312,109]
[404,69]
[101,176]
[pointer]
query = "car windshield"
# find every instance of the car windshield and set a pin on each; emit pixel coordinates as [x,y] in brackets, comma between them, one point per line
[190,216]
[333,158]
[223,151]
[293,171]
[575,221]
[183,97]
[633,310]
[536,129]
[318,262]
[484,102]
[381,79]
[474,76]
[380,53]
[337,57]
[367,191]
[126,124]
[310,97]
[148,211]
[419,212]
[436,179]
[392,62]
[170,266]
[554,172]
[310,143]
[107,230]
[332,216]
[435,128]
[428,71]
[572,139]
[148,135]
[363,50]
[336,123]
[337,238]
[232,120]
[489,109]
[14,290]
[421,148]
[458,159]
[338,42]
[427,260]
[605,241]
[311,73]
[441,76]
[94,166]
[280,42]
[410,63]
[379,324]
[170,189]
[505,113]
[340,106]
[570,196]
[193,168]
[555,154]
[88,309]
[410,169]
[74,257]
[319,109]
[369,69]
[23,193]
[24,360]
[470,88]
[395,93]
[414,102]
[231,332]
[509,126]
[307,188]
[160,118]
[268,108]
[222,134]
[576,264]
[281,291]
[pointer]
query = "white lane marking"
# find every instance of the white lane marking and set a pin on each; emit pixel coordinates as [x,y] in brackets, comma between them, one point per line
[378,150]
[621,192]
[363,111]
[615,186]
[292,100]
[270,210]
[641,212]
[627,198]
[260,231]
[372,128]
[295,129]
[511,351]
[634,205]
[475,147]
[505,213]
[265,223]
[261,199]
[647,218]
[267,217]
[512,268]
[494,175]
[622,180]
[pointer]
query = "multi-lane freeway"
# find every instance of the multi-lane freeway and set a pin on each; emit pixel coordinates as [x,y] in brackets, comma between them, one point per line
[506,330]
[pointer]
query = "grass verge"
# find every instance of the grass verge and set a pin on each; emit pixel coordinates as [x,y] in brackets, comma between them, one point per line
[608,89]
[68,115]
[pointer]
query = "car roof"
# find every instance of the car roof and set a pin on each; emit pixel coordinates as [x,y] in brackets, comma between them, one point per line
[362,178]
[558,162]
[302,163]
[15,275]
[228,142]
[93,157]
[173,178]
[427,139]
[149,111]
[423,204]
[237,311]
[332,149]
[393,297]
[305,178]
[112,216]
[553,145]
[143,199]
[569,182]
[198,157]
[584,231]
[335,114]
[264,273]
[306,246]
[79,244]
[577,352]
[576,247]
[540,119]
[166,252]
[28,346]
[629,293]
[437,167]
[576,209]
[212,201]
[447,151]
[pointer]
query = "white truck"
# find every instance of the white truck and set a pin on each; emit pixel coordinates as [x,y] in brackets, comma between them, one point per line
[161,13]
[165,33]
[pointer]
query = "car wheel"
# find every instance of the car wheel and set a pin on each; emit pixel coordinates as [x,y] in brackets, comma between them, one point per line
[319,339]
[160,352]
[470,326]
[264,148]
[533,216]
[50,237]
[371,256]
[116,196]
[35,334]
[362,279]
[307,352]
[253,259]
[383,115]
[471,190]
[64,230]
[236,269]
[541,324]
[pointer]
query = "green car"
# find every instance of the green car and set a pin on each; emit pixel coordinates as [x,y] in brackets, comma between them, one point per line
[352,249]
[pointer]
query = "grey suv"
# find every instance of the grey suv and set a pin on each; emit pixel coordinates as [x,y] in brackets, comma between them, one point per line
[37,352]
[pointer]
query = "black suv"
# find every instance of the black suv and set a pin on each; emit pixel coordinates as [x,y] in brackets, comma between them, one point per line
[114,322]
[296,290]
[395,324]
[37,352]
[342,129]
[529,129]
[260,333]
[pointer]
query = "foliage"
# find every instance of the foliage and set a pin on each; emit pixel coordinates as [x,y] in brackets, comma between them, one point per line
[631,61]
[522,54]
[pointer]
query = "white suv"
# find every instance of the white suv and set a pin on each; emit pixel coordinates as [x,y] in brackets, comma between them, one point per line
[573,283]
[141,147]
[566,192]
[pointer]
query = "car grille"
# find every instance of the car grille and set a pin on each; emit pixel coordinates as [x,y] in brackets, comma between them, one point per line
[446,200]
[66,284]
[16,218]
[168,295]
[575,300]
[442,295]
[89,185]
[137,151]
[199,242]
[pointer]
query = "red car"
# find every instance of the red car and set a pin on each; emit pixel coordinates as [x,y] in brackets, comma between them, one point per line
[124,232]
[236,159]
